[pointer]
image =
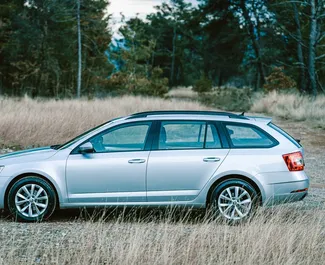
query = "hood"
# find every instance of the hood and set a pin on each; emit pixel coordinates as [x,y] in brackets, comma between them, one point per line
[29,155]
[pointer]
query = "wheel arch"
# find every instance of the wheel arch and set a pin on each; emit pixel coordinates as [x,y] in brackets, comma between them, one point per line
[21,176]
[234,176]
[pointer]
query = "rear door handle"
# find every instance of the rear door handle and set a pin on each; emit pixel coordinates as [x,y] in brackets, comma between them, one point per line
[211,159]
[137,161]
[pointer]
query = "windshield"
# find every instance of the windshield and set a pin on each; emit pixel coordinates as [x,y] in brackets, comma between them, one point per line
[76,139]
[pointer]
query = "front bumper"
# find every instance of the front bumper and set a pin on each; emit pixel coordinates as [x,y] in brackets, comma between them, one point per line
[4,181]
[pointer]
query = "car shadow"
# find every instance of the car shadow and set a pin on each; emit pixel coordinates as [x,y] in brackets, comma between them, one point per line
[121,214]
[162,215]
[136,214]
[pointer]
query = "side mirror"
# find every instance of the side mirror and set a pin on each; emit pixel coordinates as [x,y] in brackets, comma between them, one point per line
[86,148]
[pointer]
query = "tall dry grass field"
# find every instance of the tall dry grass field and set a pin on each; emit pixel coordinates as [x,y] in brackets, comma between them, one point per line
[292,106]
[273,236]
[26,122]
[292,234]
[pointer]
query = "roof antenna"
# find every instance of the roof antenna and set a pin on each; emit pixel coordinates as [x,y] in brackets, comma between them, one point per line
[243,114]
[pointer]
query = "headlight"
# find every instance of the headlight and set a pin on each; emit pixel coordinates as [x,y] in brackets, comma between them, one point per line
[1,168]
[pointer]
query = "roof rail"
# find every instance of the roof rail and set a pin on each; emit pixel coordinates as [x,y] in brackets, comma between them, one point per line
[180,112]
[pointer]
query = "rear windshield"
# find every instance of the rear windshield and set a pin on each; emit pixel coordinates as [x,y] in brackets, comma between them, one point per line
[285,134]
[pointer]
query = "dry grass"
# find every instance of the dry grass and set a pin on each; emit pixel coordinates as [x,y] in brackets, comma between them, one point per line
[294,107]
[274,236]
[26,122]
[183,93]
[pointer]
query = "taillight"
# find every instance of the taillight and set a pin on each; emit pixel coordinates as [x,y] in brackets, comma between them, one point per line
[294,161]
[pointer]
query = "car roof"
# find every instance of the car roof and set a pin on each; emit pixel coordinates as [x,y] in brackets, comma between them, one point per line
[186,113]
[195,114]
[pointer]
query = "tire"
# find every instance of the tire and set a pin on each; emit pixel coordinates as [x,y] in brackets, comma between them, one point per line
[232,207]
[31,208]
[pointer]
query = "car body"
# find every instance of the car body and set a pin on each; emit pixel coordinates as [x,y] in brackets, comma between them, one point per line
[159,158]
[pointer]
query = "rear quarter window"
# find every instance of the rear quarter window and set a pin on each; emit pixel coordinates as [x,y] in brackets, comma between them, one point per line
[285,134]
[248,136]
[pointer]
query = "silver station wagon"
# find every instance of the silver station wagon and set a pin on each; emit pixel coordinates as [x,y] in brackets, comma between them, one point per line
[230,163]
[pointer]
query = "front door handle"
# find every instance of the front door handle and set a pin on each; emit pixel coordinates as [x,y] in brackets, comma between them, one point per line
[211,159]
[137,161]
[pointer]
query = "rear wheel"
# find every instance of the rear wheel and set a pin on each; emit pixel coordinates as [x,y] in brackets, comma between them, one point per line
[31,199]
[234,200]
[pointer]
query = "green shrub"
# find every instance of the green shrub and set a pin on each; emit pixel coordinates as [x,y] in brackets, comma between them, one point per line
[203,85]
[137,84]
[279,81]
[158,85]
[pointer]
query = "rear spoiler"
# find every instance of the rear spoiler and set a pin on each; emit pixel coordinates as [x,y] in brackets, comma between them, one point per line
[266,120]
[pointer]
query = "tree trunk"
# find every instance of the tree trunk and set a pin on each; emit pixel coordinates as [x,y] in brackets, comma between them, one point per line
[220,77]
[79,52]
[57,87]
[300,55]
[312,48]
[172,70]
[255,42]
[152,63]
[257,80]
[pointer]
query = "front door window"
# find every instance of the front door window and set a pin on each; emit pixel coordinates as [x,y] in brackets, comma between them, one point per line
[127,138]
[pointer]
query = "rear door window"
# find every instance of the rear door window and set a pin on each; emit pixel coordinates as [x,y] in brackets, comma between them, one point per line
[212,138]
[248,136]
[178,135]
[181,135]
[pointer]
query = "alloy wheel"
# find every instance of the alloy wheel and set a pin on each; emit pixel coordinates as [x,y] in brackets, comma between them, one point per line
[31,200]
[234,203]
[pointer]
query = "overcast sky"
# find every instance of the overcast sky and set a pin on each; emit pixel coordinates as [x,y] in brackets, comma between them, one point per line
[131,7]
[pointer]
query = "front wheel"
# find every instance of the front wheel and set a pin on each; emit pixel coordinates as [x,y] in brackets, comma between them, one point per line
[31,199]
[234,200]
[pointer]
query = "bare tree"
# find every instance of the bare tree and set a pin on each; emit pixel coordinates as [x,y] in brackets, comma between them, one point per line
[309,46]
[300,53]
[174,13]
[253,33]
[312,48]
[172,71]
[79,52]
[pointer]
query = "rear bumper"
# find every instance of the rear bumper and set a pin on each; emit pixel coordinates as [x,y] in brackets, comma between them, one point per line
[284,187]
[288,192]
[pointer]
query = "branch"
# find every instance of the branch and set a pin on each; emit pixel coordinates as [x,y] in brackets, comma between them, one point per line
[320,38]
[319,84]
[290,2]
[292,35]
[320,57]
[300,65]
